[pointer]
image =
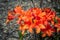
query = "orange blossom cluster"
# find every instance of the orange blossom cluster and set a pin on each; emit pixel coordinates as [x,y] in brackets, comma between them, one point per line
[42,20]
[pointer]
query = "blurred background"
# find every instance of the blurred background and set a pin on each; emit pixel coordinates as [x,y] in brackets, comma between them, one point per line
[9,32]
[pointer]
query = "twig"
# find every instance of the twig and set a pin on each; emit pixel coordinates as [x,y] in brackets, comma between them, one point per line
[14,37]
[33,3]
[41,2]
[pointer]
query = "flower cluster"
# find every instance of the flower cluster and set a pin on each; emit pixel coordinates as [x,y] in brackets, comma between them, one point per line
[41,20]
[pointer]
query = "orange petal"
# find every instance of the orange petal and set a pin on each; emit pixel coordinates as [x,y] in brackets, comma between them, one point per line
[47,10]
[30,30]
[23,32]
[57,25]
[7,21]
[42,14]
[52,22]
[58,29]
[42,26]
[43,35]
[38,30]
[20,28]
[25,27]
[49,32]
[18,9]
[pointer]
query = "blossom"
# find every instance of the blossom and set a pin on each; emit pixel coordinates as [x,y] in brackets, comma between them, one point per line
[40,20]
[10,17]
[57,25]
[47,31]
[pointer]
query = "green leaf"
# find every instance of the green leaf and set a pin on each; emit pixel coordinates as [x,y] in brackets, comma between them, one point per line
[20,35]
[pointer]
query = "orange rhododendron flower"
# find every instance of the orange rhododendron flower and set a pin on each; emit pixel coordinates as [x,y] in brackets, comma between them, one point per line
[57,25]
[10,17]
[47,31]
[35,18]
